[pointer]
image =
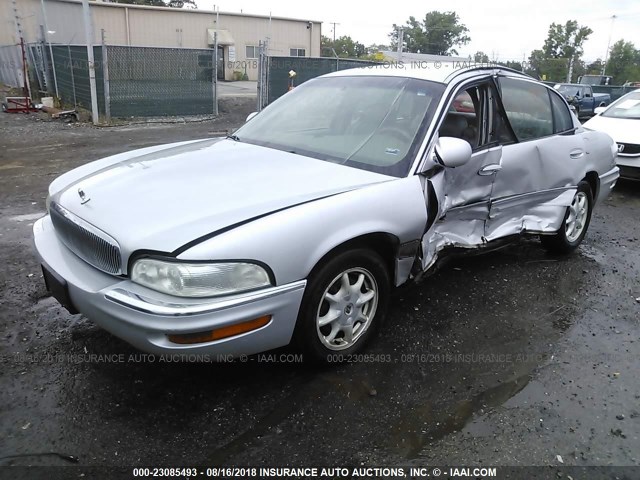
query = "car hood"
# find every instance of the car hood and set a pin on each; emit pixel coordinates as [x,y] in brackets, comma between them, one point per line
[167,198]
[620,129]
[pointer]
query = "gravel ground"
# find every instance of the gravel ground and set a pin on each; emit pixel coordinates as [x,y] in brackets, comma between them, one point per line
[509,358]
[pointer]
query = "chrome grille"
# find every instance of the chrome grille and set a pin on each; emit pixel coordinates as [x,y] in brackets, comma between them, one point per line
[86,241]
[628,149]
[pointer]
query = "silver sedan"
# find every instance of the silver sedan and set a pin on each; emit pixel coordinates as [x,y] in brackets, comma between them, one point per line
[297,227]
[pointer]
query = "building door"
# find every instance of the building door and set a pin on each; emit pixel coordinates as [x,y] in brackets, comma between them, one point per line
[220,69]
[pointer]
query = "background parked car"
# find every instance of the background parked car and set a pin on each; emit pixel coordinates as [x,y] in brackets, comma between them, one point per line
[621,120]
[582,98]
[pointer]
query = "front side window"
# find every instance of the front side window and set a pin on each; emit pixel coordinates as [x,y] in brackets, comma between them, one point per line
[373,123]
[527,107]
[463,117]
[475,116]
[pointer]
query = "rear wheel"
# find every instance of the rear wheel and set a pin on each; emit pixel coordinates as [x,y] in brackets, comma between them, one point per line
[575,224]
[343,306]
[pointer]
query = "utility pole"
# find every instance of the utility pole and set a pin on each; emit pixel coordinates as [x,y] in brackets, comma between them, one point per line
[606,55]
[88,30]
[334,30]
[400,42]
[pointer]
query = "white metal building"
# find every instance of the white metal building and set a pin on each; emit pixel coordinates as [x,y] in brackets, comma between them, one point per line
[239,34]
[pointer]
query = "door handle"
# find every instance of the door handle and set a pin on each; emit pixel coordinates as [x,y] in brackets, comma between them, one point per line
[577,153]
[490,169]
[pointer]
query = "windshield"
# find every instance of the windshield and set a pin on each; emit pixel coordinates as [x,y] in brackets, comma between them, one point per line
[593,80]
[627,106]
[372,123]
[569,90]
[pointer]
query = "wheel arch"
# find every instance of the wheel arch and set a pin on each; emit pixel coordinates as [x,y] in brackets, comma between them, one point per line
[384,244]
[593,179]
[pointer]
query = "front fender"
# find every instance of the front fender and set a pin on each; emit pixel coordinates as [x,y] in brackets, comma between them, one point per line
[292,241]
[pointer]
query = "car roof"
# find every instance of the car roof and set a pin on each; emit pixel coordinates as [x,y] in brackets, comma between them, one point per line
[442,72]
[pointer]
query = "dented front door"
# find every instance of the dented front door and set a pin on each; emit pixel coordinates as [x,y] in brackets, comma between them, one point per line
[464,192]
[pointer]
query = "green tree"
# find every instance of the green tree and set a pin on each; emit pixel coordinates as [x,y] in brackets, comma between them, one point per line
[344,47]
[594,68]
[624,62]
[564,45]
[565,41]
[437,34]
[481,57]
[326,47]
[512,64]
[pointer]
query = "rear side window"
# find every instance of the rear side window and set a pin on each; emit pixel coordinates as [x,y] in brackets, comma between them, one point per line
[562,121]
[500,131]
[528,108]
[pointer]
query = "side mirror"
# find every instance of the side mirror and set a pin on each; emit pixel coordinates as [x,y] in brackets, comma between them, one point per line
[599,110]
[453,152]
[250,116]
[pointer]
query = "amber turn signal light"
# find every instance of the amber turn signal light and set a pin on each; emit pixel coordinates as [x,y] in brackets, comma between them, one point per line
[219,333]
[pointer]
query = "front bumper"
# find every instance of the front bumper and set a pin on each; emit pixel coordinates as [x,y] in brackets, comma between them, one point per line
[144,318]
[629,166]
[607,182]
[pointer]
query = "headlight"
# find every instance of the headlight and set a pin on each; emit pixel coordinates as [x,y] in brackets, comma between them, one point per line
[199,279]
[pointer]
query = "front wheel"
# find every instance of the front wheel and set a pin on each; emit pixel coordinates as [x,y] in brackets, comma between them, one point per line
[343,306]
[575,224]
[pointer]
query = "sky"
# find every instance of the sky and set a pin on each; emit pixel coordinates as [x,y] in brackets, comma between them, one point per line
[503,29]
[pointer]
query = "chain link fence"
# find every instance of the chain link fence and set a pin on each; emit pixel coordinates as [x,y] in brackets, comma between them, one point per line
[130,81]
[274,80]
[150,81]
[72,75]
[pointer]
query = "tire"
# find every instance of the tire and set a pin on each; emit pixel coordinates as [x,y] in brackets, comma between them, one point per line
[358,313]
[575,224]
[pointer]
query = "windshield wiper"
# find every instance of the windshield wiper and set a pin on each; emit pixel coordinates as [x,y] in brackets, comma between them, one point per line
[235,138]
